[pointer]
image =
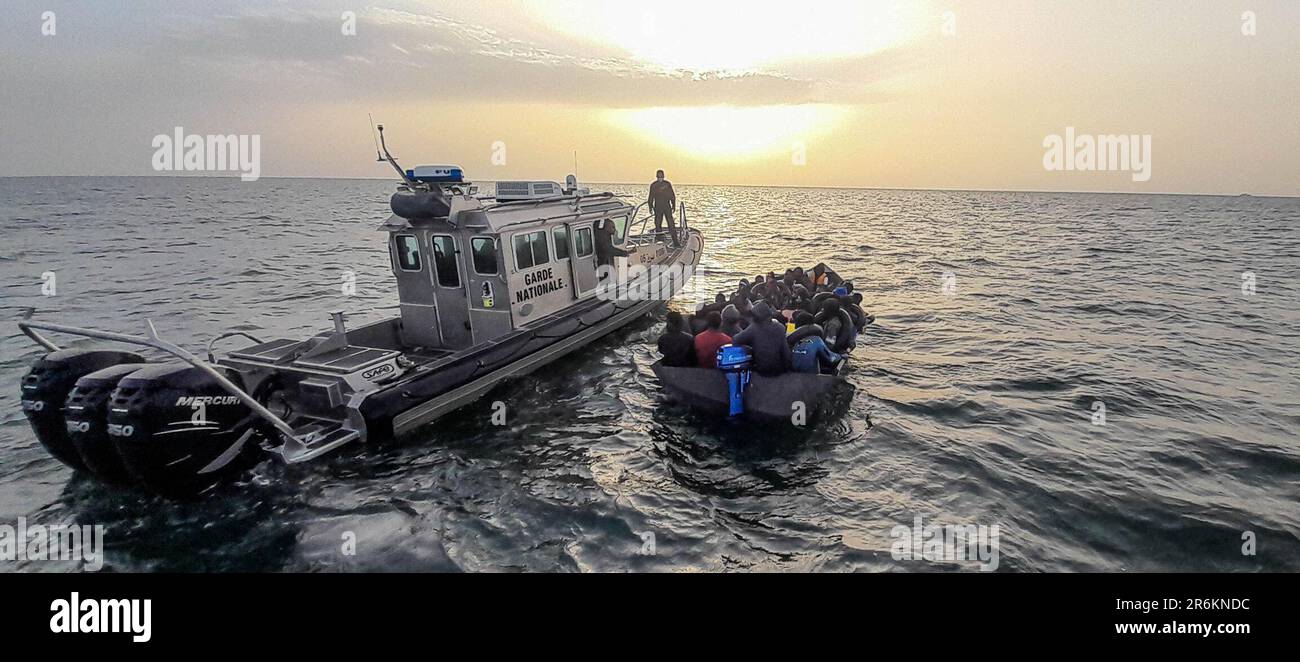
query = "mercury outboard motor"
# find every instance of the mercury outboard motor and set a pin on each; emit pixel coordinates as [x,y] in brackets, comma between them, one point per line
[86,413]
[46,387]
[735,360]
[178,431]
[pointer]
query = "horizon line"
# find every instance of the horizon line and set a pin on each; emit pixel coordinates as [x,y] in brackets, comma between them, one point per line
[235,176]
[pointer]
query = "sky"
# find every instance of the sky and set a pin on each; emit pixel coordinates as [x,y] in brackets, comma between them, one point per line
[928,94]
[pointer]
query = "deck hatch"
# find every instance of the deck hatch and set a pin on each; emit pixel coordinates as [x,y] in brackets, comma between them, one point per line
[274,351]
[348,359]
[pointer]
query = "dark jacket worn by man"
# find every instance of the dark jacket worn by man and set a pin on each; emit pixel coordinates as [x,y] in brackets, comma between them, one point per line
[661,201]
[662,197]
[766,337]
[606,251]
[678,348]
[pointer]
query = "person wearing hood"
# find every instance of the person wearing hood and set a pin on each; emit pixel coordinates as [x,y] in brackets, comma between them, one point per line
[676,344]
[746,310]
[766,338]
[731,320]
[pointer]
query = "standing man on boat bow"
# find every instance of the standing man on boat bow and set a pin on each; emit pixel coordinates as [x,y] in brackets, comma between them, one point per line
[661,202]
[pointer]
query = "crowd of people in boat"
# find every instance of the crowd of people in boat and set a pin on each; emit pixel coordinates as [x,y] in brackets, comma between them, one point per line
[801,321]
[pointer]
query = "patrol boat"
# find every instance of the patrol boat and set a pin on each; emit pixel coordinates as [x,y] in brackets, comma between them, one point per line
[490,287]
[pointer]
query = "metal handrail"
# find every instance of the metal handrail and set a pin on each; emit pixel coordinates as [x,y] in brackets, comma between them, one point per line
[574,215]
[212,358]
[634,213]
[641,228]
[29,327]
[576,198]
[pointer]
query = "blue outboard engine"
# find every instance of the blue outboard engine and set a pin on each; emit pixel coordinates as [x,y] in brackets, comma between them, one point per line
[735,361]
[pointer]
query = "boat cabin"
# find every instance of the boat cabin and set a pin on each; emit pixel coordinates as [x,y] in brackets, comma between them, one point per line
[491,266]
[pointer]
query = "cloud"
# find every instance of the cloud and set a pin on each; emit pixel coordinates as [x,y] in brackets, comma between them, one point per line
[92,98]
[408,56]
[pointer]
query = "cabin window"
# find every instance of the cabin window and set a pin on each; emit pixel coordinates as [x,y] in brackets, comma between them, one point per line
[485,255]
[530,250]
[561,235]
[620,229]
[444,260]
[408,252]
[582,238]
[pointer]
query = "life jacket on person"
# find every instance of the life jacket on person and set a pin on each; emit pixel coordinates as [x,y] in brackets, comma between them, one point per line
[820,299]
[805,331]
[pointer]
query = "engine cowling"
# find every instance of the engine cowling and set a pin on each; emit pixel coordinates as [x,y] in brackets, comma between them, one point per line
[86,414]
[178,431]
[46,386]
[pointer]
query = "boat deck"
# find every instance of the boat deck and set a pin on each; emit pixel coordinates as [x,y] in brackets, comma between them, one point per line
[282,354]
[277,351]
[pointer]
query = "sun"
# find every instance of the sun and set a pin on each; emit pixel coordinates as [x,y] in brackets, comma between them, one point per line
[732,37]
[729,132]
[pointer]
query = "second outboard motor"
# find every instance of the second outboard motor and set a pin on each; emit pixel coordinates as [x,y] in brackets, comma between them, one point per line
[735,361]
[86,413]
[46,387]
[178,431]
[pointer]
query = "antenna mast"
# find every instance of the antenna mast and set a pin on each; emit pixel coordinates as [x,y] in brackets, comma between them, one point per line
[392,160]
[378,156]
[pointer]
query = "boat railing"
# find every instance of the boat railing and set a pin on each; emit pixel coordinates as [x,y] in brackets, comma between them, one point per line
[640,237]
[576,199]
